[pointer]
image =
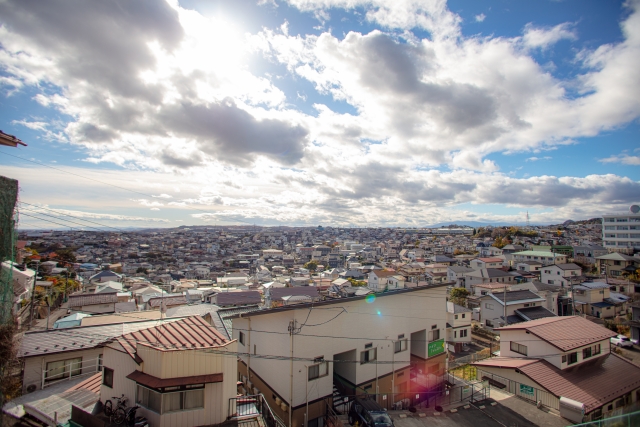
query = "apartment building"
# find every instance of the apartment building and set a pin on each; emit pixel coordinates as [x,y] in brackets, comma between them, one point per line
[621,230]
[544,257]
[366,344]
[563,363]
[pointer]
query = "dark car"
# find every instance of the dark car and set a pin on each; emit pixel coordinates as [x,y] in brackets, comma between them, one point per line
[367,412]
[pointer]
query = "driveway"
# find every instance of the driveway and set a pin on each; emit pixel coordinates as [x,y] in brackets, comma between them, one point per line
[502,410]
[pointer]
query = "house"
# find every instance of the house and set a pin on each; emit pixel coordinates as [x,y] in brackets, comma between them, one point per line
[520,306]
[281,296]
[105,276]
[378,279]
[488,251]
[415,343]
[172,300]
[236,299]
[563,275]
[456,273]
[529,266]
[396,282]
[488,275]
[588,254]
[458,326]
[596,299]
[480,263]
[180,374]
[566,364]
[23,280]
[10,140]
[634,323]
[549,292]
[544,257]
[55,355]
[93,303]
[614,264]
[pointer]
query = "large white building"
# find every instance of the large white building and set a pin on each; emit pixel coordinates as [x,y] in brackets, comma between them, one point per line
[621,230]
[392,342]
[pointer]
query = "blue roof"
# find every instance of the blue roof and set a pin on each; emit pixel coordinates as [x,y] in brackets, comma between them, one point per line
[602,304]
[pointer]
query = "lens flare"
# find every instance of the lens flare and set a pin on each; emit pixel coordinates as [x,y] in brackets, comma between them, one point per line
[370,298]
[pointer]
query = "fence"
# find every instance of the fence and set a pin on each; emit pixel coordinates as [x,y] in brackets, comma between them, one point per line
[523,391]
[67,369]
[252,407]
[626,420]
[445,396]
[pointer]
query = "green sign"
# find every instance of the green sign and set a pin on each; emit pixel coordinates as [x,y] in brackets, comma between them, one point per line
[525,389]
[435,347]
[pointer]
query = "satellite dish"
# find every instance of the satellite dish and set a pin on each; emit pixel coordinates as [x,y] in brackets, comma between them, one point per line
[634,209]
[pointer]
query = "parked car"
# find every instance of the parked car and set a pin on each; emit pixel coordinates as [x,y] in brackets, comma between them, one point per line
[367,412]
[621,341]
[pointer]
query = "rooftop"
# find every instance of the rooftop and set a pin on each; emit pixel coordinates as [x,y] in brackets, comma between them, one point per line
[565,332]
[513,297]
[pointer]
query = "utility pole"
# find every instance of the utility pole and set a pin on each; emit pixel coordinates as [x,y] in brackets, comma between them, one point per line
[292,329]
[33,292]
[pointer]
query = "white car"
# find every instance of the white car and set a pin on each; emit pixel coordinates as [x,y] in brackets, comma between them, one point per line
[621,341]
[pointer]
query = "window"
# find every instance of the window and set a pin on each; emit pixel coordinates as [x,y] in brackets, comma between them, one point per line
[241,337]
[63,369]
[400,346]
[190,398]
[455,334]
[368,356]
[463,333]
[456,317]
[596,349]
[107,377]
[319,370]
[149,399]
[434,326]
[434,335]
[573,358]
[519,348]
[586,353]
[463,314]
[488,305]
[564,358]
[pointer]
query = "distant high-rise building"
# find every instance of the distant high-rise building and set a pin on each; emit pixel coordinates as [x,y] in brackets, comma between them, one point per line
[622,230]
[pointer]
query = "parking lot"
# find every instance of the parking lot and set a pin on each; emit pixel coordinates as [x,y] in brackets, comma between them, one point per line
[499,411]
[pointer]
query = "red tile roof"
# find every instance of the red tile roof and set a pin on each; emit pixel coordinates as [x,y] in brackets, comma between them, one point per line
[192,332]
[505,362]
[565,332]
[593,383]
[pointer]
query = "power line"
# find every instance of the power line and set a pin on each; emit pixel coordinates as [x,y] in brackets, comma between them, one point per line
[72,216]
[58,218]
[122,188]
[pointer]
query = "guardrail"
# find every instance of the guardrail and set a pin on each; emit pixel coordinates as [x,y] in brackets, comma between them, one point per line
[253,406]
[70,369]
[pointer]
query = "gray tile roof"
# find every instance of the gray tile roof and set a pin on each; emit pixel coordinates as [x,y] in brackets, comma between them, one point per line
[92,299]
[515,296]
[533,313]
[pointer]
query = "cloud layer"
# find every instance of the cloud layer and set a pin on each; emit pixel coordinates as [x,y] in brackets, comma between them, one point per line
[151,86]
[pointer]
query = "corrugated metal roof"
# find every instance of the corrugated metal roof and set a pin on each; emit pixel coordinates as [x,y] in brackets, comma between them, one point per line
[277,293]
[168,301]
[592,383]
[238,298]
[533,313]
[512,296]
[92,383]
[192,332]
[505,362]
[565,332]
[92,299]
[78,338]
[225,317]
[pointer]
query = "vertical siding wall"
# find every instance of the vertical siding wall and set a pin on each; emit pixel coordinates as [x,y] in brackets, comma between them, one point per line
[337,331]
[122,365]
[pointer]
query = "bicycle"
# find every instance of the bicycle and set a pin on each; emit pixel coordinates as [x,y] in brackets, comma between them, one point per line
[118,413]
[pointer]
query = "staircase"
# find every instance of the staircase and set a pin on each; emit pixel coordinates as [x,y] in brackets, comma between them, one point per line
[340,402]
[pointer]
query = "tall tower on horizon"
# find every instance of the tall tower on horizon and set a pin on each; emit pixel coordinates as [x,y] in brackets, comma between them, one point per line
[528,225]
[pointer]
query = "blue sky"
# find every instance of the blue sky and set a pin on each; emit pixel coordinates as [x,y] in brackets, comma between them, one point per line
[332,112]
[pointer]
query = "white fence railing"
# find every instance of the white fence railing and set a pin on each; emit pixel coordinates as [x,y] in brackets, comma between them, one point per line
[64,370]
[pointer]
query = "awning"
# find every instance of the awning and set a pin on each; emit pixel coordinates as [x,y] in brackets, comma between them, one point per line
[155,382]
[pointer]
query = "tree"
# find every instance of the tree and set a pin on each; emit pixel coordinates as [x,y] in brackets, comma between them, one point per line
[311,265]
[459,296]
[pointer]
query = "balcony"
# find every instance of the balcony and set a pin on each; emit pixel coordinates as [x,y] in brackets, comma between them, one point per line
[251,411]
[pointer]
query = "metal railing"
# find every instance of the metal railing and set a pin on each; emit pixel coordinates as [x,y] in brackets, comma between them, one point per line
[626,420]
[69,370]
[253,406]
[525,392]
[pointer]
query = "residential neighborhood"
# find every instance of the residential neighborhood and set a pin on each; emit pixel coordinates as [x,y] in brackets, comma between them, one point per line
[385,313]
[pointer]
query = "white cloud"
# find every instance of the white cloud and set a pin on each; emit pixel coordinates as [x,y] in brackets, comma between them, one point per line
[538,37]
[625,159]
[535,159]
[480,18]
[176,103]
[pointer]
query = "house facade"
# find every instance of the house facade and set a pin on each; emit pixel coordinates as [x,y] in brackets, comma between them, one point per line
[181,374]
[413,341]
[564,363]
[563,275]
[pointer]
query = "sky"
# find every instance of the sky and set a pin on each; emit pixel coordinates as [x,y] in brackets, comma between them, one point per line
[363,113]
